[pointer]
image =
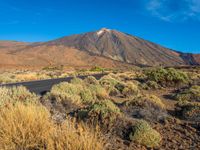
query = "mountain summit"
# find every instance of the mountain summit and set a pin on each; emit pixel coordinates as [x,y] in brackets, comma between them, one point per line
[102,31]
[123,47]
[104,47]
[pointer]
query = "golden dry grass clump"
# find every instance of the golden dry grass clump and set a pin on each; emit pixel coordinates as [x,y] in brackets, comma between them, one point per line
[30,127]
[24,127]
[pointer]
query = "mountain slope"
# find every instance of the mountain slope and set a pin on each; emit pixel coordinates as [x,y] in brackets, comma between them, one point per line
[107,48]
[122,47]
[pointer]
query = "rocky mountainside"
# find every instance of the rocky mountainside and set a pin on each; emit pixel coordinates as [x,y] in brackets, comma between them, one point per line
[121,47]
[105,47]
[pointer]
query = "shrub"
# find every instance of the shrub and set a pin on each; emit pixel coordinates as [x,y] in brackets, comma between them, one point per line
[145,135]
[77,93]
[97,69]
[101,111]
[115,86]
[76,81]
[189,95]
[5,78]
[16,94]
[155,100]
[98,91]
[108,82]
[147,107]
[87,96]
[91,80]
[66,92]
[143,99]
[105,108]
[130,90]
[191,111]
[167,77]
[151,85]
[30,127]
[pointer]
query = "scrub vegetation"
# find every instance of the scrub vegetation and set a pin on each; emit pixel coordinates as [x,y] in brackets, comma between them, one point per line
[147,108]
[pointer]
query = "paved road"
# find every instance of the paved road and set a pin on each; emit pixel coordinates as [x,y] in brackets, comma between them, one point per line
[42,86]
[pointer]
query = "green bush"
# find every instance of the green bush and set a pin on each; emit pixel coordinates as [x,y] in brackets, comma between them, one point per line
[87,96]
[167,77]
[16,94]
[66,92]
[115,86]
[143,134]
[77,92]
[189,95]
[105,108]
[101,111]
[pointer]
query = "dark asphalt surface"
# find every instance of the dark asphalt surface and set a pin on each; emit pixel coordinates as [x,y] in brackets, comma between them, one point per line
[40,87]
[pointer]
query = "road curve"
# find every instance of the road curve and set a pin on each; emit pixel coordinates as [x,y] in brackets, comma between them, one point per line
[40,87]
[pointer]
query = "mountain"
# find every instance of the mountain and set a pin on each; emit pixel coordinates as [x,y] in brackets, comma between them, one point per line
[121,47]
[107,48]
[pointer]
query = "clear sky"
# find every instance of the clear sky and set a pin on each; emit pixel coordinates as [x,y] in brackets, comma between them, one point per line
[171,23]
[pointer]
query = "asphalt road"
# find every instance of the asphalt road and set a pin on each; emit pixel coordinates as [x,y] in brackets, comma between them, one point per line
[40,87]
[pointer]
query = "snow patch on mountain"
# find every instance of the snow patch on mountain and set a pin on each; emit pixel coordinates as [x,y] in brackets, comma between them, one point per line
[103,30]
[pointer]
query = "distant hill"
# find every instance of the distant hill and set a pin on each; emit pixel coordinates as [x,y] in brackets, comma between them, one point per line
[107,48]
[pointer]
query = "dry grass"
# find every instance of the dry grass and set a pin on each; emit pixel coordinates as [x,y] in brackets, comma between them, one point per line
[30,127]
[24,127]
[79,137]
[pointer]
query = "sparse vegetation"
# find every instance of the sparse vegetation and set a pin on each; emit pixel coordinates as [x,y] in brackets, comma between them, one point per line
[122,110]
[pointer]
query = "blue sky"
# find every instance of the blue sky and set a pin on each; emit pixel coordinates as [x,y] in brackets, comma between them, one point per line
[172,23]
